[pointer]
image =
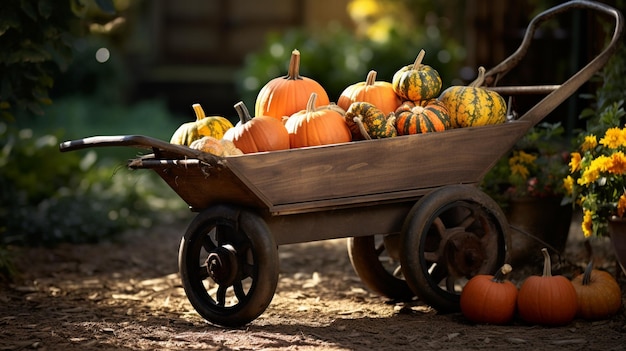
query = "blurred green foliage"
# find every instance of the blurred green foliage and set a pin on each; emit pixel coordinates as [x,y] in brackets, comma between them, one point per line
[337,58]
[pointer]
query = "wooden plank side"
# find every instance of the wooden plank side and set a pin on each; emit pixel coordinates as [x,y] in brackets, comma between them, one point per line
[201,185]
[363,168]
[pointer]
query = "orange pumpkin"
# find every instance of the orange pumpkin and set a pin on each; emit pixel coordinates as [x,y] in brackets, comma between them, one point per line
[547,299]
[489,298]
[258,134]
[599,295]
[378,93]
[317,126]
[284,96]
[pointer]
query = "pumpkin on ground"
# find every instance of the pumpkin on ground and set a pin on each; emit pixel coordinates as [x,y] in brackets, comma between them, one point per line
[473,106]
[258,134]
[213,126]
[366,121]
[317,126]
[417,81]
[284,96]
[489,298]
[217,147]
[422,117]
[378,93]
[599,295]
[547,299]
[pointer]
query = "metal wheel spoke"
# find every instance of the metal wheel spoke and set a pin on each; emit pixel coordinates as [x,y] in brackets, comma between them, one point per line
[439,273]
[221,295]
[440,227]
[450,283]
[431,256]
[469,220]
[239,292]
[380,248]
[203,272]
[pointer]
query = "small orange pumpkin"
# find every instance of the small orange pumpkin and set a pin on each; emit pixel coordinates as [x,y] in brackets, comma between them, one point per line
[261,133]
[489,298]
[317,126]
[378,93]
[599,295]
[547,299]
[284,96]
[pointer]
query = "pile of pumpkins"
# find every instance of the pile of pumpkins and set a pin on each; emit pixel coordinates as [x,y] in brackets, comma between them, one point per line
[546,300]
[295,111]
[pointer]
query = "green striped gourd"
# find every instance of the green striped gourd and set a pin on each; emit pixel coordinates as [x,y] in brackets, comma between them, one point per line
[417,81]
[366,121]
[422,117]
[472,106]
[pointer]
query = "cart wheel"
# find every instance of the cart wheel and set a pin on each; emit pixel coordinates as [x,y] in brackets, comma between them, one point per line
[379,269]
[228,263]
[450,235]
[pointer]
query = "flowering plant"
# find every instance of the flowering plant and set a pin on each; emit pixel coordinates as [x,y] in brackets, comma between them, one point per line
[535,167]
[596,181]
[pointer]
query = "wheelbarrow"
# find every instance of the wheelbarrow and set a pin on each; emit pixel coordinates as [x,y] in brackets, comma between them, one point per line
[417,224]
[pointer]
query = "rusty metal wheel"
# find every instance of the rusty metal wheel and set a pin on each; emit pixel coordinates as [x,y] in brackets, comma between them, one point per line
[228,263]
[451,235]
[376,262]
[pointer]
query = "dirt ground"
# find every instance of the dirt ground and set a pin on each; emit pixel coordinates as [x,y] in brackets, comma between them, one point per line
[127,296]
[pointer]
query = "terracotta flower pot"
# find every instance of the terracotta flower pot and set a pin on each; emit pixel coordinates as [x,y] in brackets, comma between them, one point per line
[617,232]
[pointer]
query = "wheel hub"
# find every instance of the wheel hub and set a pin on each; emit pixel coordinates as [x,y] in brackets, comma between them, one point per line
[222,265]
[464,253]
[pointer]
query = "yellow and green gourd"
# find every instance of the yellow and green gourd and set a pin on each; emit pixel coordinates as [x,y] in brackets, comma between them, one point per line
[213,126]
[366,121]
[472,106]
[417,81]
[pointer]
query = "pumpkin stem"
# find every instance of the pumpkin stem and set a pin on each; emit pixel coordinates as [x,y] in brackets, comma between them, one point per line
[480,79]
[310,105]
[371,78]
[359,122]
[418,60]
[242,112]
[199,111]
[547,263]
[293,73]
[587,274]
[500,275]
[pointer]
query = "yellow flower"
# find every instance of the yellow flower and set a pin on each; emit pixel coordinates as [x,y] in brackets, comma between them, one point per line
[592,173]
[613,138]
[587,224]
[574,164]
[621,205]
[617,164]
[568,184]
[521,170]
[589,143]
[525,157]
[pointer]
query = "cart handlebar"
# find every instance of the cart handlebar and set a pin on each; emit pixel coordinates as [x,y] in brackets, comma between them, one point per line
[556,93]
[139,141]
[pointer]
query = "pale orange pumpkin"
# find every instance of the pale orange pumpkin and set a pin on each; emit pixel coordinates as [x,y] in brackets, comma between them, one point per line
[317,126]
[378,93]
[599,294]
[284,96]
[258,134]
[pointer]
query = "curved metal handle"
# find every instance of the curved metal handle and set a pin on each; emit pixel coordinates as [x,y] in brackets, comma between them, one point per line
[565,90]
[139,141]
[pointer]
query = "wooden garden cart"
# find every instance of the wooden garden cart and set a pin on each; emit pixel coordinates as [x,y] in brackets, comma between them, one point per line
[416,221]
